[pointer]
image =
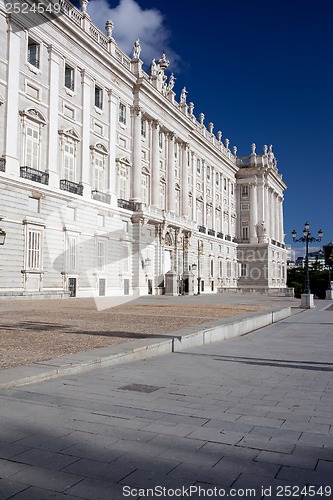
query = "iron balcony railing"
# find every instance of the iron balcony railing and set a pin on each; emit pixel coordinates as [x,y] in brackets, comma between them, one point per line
[228,237]
[211,232]
[99,196]
[202,229]
[34,175]
[2,164]
[71,187]
[127,205]
[220,235]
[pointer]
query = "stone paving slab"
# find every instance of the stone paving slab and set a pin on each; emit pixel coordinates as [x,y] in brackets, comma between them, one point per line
[114,440]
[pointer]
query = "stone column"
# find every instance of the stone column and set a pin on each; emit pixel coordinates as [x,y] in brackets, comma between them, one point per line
[277,217]
[112,171]
[85,143]
[194,182]
[271,212]
[281,220]
[184,180]
[12,105]
[136,170]
[214,198]
[267,217]
[253,213]
[155,166]
[261,201]
[171,197]
[238,204]
[204,190]
[229,208]
[52,161]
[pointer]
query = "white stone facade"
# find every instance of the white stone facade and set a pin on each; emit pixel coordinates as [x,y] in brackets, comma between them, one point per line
[112,186]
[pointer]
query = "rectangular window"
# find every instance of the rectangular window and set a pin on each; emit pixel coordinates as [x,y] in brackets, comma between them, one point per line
[243,270]
[225,184]
[122,113]
[69,162]
[122,183]
[98,173]
[245,232]
[98,97]
[69,77]
[33,53]
[162,195]
[145,188]
[220,268]
[228,269]
[34,249]
[160,140]
[198,166]
[72,254]
[212,268]
[32,148]
[143,128]
[245,191]
[101,253]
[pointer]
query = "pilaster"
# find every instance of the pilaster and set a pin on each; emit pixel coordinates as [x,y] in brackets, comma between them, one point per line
[253,212]
[171,199]
[155,166]
[12,102]
[184,177]
[112,177]
[136,177]
[194,183]
[52,160]
[85,151]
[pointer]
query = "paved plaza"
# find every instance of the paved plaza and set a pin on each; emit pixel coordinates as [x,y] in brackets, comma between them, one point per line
[248,417]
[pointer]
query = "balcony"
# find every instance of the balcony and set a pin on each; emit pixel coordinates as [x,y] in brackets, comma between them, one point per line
[127,205]
[228,237]
[34,175]
[71,187]
[202,229]
[211,232]
[220,235]
[2,164]
[99,196]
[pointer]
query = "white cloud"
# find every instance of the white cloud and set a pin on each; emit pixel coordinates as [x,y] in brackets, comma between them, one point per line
[131,22]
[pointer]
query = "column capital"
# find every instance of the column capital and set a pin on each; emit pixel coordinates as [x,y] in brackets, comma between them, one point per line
[137,110]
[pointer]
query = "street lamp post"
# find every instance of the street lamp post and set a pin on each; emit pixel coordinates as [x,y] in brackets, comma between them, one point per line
[307,296]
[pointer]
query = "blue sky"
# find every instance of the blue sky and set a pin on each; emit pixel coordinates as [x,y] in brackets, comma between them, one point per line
[261,71]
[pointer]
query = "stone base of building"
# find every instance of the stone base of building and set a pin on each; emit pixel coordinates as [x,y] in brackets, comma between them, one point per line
[14,295]
[275,292]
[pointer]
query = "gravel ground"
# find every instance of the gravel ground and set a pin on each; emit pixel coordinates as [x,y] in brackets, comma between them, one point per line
[33,331]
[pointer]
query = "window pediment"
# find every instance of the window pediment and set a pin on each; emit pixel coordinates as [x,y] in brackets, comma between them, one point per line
[124,160]
[34,114]
[99,148]
[70,134]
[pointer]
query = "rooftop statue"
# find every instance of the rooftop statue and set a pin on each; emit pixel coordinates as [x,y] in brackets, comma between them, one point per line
[136,49]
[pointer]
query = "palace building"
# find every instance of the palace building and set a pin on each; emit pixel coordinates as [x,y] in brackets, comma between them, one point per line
[110,185]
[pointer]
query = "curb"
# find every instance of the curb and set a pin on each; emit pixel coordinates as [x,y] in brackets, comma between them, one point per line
[138,349]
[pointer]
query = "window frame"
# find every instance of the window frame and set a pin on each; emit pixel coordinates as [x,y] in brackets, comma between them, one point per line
[70,85]
[122,113]
[98,97]
[36,61]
